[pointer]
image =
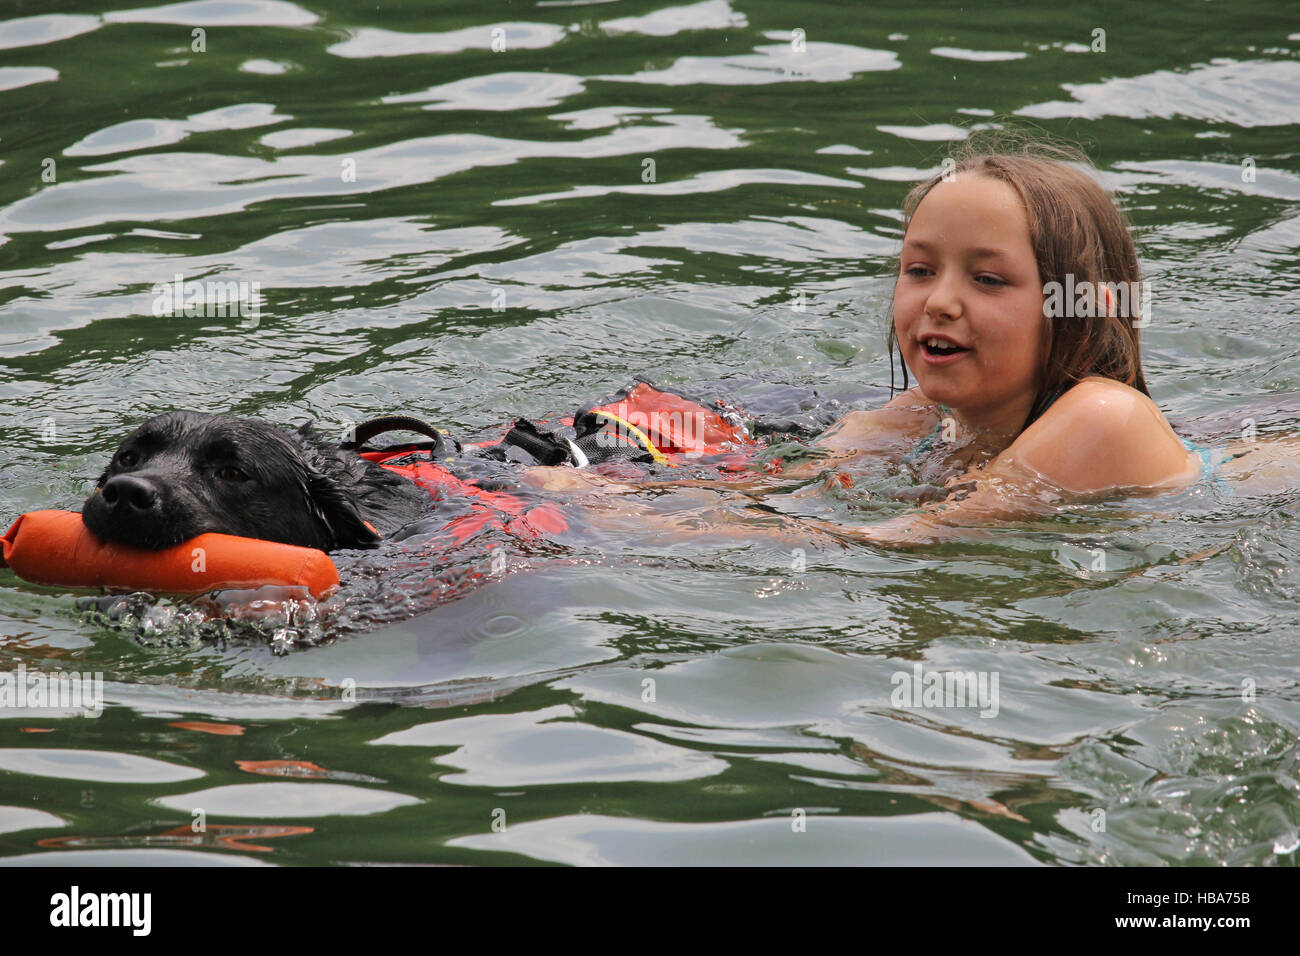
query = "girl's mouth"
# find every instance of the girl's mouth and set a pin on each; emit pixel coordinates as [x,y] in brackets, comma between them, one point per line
[941,352]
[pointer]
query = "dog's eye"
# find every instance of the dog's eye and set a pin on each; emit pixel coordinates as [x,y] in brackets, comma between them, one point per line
[231,473]
[127,459]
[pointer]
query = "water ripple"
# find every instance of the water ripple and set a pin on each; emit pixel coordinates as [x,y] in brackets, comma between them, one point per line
[1247,94]
[103,766]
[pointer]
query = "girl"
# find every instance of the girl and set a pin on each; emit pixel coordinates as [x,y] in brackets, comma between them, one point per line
[1023,396]
[1037,401]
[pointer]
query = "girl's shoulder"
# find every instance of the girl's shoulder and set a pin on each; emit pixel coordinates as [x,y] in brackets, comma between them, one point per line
[908,415]
[1103,401]
[1102,435]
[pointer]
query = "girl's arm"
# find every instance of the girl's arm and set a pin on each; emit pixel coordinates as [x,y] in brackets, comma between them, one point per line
[1099,438]
[979,499]
[855,434]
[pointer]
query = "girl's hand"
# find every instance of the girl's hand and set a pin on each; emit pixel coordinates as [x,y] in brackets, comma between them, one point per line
[905,531]
[562,478]
[976,500]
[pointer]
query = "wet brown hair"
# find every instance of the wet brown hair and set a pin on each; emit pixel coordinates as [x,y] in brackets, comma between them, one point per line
[1076,229]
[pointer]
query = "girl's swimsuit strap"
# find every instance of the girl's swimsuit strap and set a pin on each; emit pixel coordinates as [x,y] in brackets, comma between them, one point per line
[1211,463]
[1206,455]
[924,446]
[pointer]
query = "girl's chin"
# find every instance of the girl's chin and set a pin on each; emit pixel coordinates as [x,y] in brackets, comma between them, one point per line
[939,387]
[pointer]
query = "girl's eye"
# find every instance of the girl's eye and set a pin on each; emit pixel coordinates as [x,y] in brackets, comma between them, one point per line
[127,459]
[918,272]
[989,280]
[231,473]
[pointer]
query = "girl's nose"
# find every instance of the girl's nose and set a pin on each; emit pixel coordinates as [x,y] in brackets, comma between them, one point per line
[944,301]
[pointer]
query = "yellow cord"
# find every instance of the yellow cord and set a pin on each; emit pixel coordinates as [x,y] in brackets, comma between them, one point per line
[655,453]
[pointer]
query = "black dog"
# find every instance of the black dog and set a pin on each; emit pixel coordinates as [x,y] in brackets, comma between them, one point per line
[181,474]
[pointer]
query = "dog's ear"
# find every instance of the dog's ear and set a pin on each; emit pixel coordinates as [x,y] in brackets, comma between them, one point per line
[339,511]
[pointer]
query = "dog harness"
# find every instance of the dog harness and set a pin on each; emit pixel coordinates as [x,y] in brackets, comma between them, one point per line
[642,425]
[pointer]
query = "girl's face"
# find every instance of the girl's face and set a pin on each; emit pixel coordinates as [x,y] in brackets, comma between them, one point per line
[968,279]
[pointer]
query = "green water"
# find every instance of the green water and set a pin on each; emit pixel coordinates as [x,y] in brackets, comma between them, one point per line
[516,724]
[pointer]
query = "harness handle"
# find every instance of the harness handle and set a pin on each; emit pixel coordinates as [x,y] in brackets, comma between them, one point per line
[391,423]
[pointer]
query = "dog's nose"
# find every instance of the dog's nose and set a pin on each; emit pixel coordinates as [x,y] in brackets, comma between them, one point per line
[122,492]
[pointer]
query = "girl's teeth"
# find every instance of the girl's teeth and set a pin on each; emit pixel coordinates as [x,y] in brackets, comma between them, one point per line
[939,344]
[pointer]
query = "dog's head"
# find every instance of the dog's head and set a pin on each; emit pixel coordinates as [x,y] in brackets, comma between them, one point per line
[181,474]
